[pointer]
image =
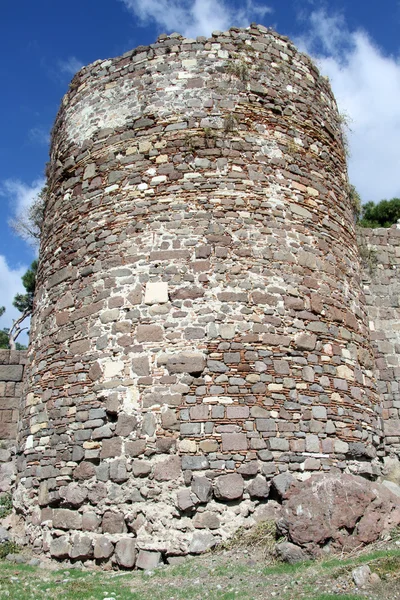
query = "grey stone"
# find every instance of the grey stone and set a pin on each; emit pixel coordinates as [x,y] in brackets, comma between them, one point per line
[290,553]
[60,547]
[113,522]
[361,575]
[147,560]
[103,548]
[258,488]
[201,541]
[206,520]
[11,372]
[66,519]
[202,487]
[194,463]
[81,547]
[168,469]
[229,487]
[281,483]
[186,362]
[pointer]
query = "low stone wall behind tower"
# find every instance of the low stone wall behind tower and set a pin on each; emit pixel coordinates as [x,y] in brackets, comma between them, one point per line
[199,325]
[12,365]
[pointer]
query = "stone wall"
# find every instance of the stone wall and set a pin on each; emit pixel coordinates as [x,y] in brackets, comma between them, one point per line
[380,249]
[199,325]
[12,364]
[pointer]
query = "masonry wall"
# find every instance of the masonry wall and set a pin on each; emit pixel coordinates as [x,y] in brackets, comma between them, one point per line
[12,365]
[199,325]
[380,250]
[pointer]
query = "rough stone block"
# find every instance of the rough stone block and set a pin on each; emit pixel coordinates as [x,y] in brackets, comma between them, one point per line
[229,487]
[82,547]
[259,487]
[168,469]
[234,441]
[186,362]
[194,463]
[103,548]
[206,520]
[149,333]
[60,547]
[147,560]
[125,552]
[113,522]
[11,372]
[64,518]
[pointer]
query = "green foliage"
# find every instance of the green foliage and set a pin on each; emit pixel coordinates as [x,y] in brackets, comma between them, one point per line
[240,69]
[230,123]
[383,214]
[355,200]
[24,302]
[6,505]
[8,548]
[4,344]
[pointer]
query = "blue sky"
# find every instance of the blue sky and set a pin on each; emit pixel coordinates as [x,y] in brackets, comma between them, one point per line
[43,42]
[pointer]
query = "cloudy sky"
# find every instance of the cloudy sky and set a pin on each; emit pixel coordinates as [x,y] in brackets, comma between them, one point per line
[43,43]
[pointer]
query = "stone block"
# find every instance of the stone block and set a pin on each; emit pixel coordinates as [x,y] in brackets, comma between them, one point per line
[126,424]
[265,425]
[237,412]
[103,548]
[149,333]
[278,444]
[141,468]
[140,366]
[82,547]
[135,448]
[234,441]
[185,500]
[259,487]
[113,522]
[281,483]
[125,553]
[201,541]
[111,448]
[229,487]
[118,471]
[169,469]
[60,547]
[206,520]
[147,560]
[11,372]
[90,521]
[186,362]
[202,487]
[194,463]
[63,518]
[305,341]
[156,293]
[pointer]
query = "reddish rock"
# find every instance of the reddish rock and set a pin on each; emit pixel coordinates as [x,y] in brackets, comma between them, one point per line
[345,511]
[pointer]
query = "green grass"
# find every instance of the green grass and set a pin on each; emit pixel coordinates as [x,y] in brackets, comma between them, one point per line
[225,576]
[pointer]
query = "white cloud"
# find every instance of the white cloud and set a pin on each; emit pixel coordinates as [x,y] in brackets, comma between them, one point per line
[366,83]
[20,196]
[11,284]
[39,136]
[70,66]
[195,17]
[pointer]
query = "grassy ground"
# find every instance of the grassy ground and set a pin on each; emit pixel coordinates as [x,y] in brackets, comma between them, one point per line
[227,575]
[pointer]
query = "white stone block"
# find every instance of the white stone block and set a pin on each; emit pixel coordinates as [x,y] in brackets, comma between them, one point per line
[156,293]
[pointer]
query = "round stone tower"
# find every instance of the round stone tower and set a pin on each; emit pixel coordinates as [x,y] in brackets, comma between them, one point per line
[199,326]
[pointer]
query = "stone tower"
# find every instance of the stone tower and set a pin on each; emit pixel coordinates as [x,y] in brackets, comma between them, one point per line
[199,325]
